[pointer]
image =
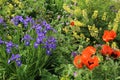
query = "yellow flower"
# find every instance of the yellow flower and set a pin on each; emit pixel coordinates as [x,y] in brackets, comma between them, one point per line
[75,35]
[2,2]
[20,25]
[10,6]
[110,26]
[16,1]
[78,23]
[115,26]
[87,1]
[114,45]
[116,21]
[87,39]
[65,29]
[74,1]
[12,15]
[95,14]
[82,35]
[84,12]
[77,11]
[9,37]
[104,16]
[21,5]
[65,7]
[64,78]
[93,30]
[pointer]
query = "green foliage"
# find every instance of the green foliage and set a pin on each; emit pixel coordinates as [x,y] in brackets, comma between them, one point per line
[91,18]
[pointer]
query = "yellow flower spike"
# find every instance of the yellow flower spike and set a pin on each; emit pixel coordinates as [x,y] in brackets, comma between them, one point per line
[65,29]
[110,26]
[87,39]
[19,25]
[77,12]
[16,1]
[108,43]
[87,1]
[13,15]
[82,35]
[93,30]
[104,16]
[8,12]
[10,6]
[9,37]
[118,15]
[21,5]
[75,35]
[78,23]
[74,1]
[65,7]
[114,45]
[116,21]
[115,26]
[84,13]
[95,14]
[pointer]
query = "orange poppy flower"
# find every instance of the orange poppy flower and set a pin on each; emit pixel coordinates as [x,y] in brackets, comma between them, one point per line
[92,62]
[116,54]
[84,59]
[108,35]
[78,61]
[88,51]
[72,23]
[106,50]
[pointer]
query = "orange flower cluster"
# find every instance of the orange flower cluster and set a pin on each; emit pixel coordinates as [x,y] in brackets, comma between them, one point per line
[86,58]
[107,50]
[108,35]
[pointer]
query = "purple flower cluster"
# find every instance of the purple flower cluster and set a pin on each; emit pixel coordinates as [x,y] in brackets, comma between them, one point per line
[42,38]
[9,46]
[74,54]
[16,58]
[27,39]
[1,20]
[19,19]
[50,44]
[27,21]
[1,41]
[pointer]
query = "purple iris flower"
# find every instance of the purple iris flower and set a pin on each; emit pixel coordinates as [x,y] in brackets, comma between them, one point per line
[27,39]
[18,62]
[9,44]
[38,28]
[1,20]
[8,49]
[36,45]
[44,23]
[27,21]
[1,41]
[50,44]
[27,43]
[40,38]
[73,54]
[48,27]
[15,57]
[17,19]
